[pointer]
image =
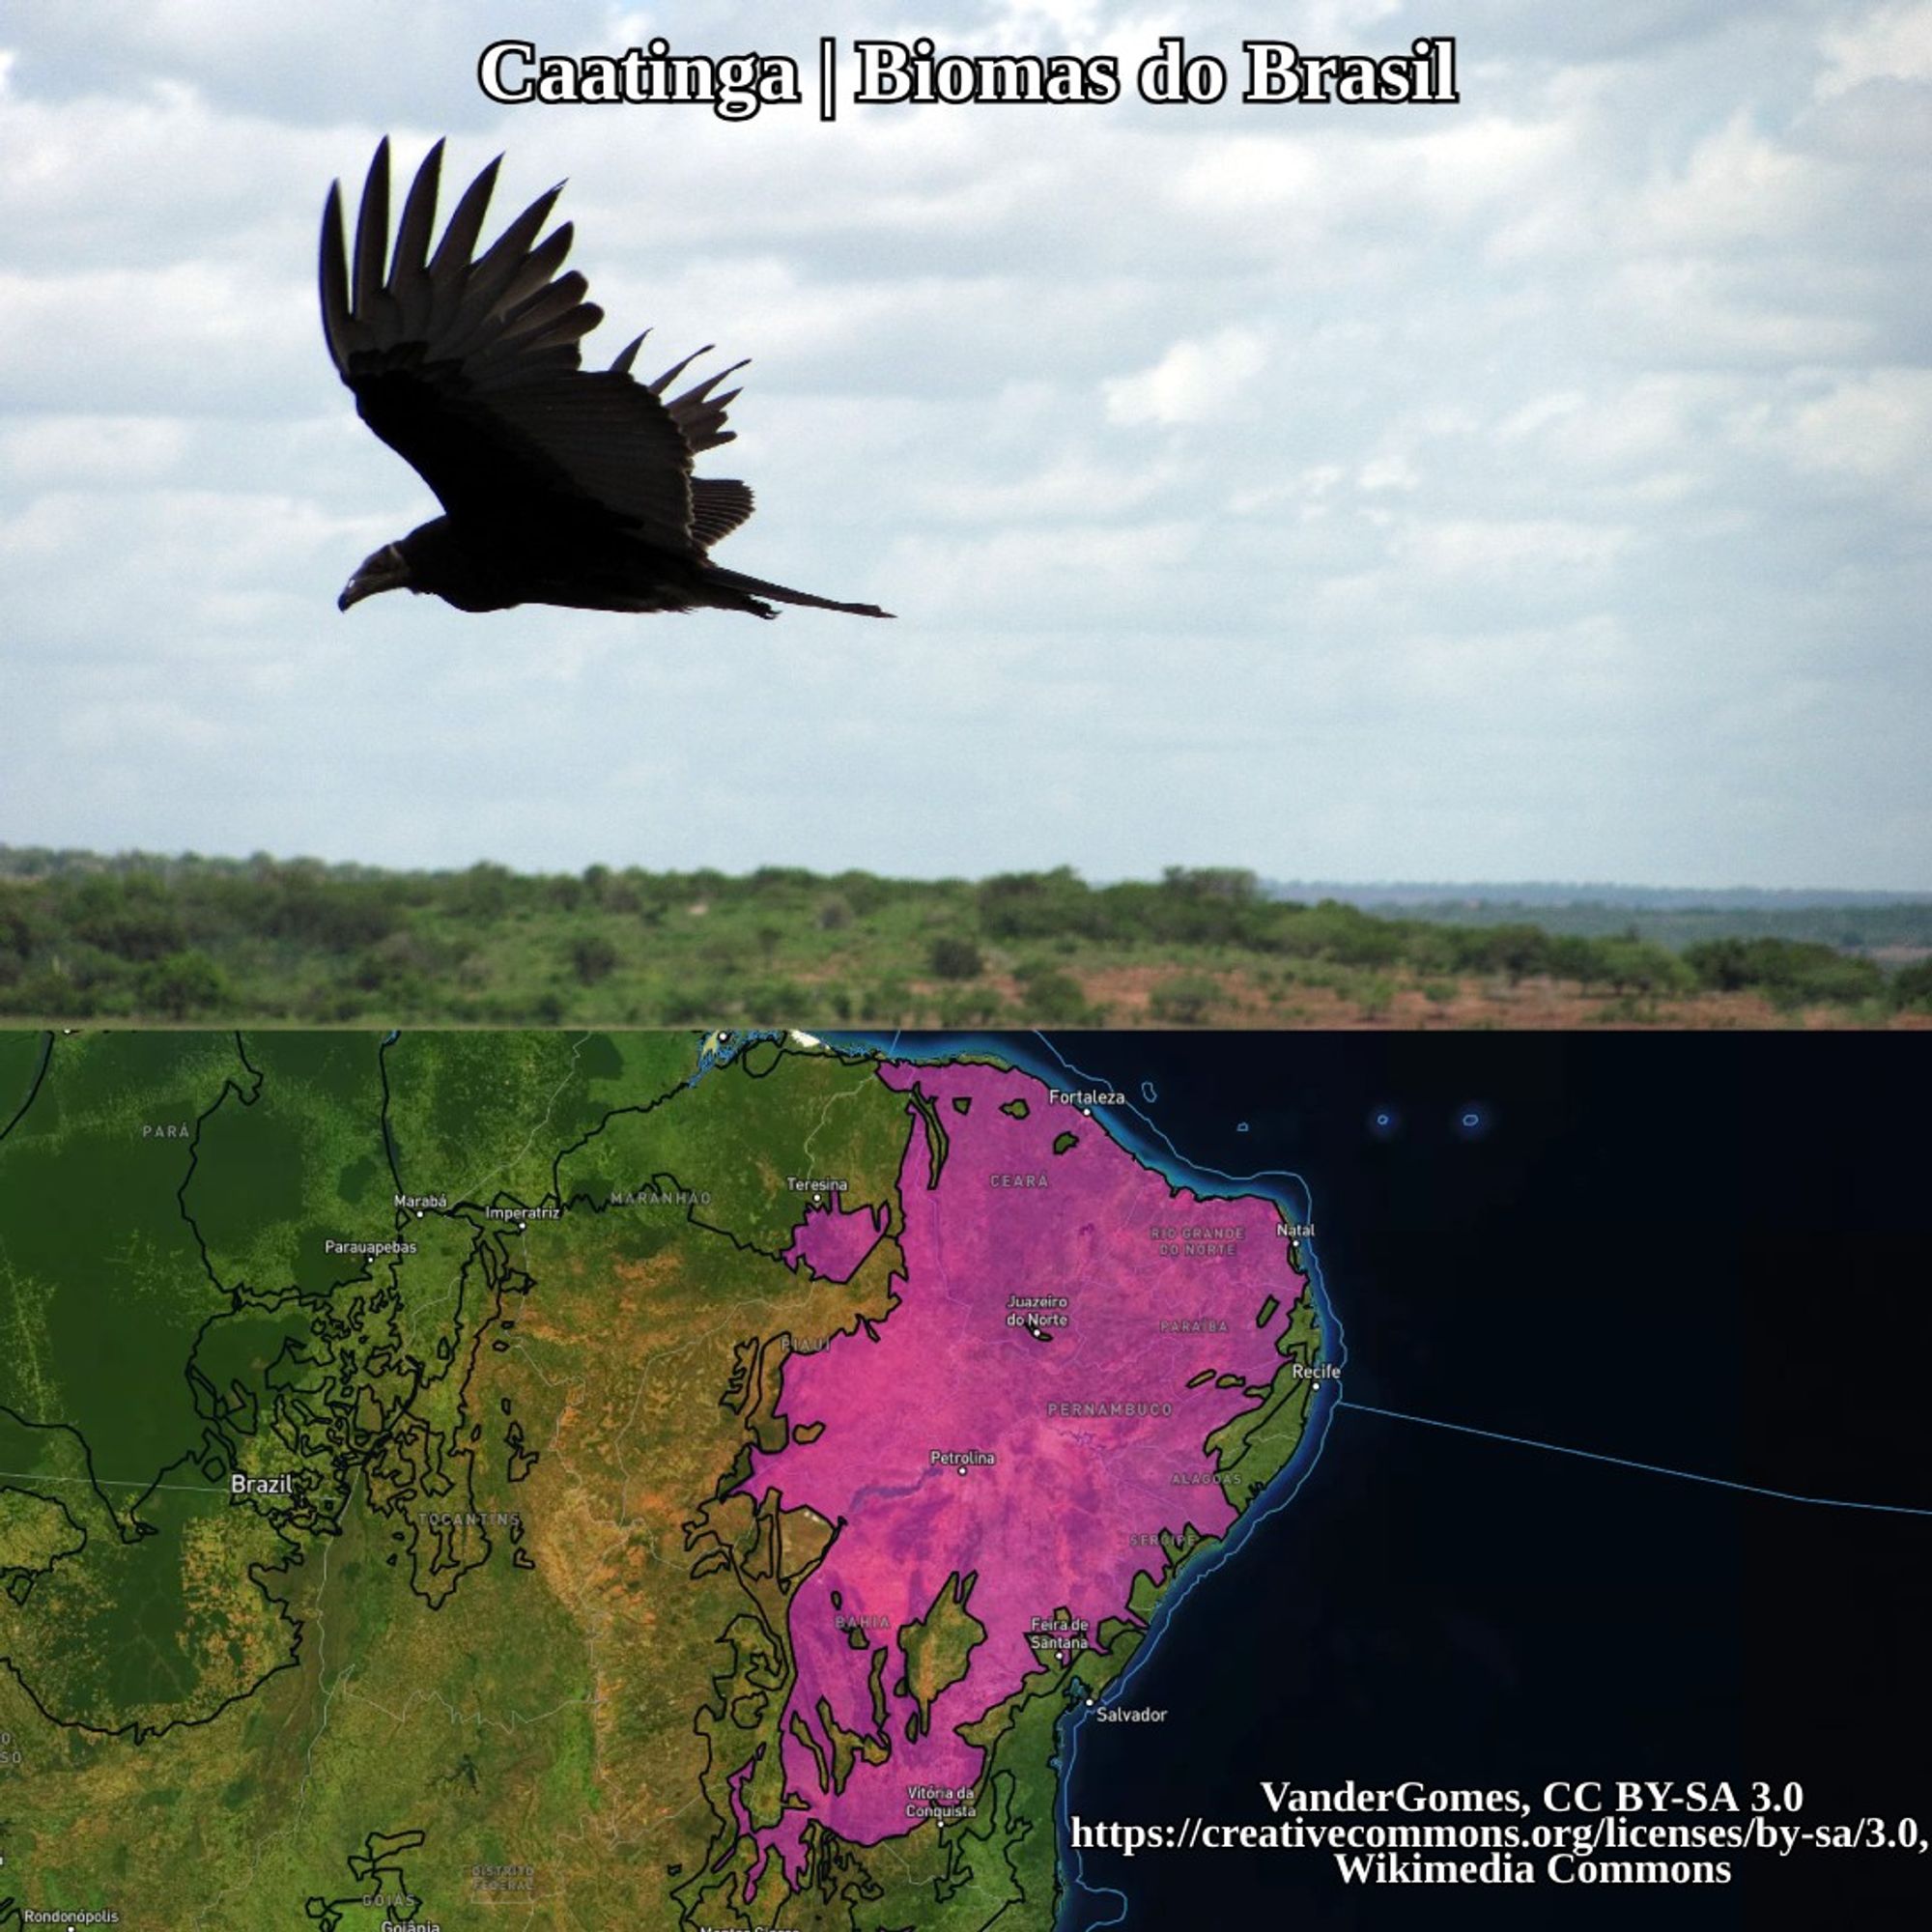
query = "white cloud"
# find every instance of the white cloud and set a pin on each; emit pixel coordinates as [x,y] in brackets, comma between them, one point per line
[1690,312]
[143,728]
[1736,187]
[1538,413]
[1196,381]
[1547,674]
[1886,44]
[1508,550]
[1394,470]
[1872,430]
[1068,486]
[1117,574]
[1502,449]
[38,452]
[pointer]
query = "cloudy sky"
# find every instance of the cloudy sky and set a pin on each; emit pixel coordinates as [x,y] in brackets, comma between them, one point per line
[1535,487]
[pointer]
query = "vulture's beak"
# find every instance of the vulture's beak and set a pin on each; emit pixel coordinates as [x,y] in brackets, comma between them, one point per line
[386,570]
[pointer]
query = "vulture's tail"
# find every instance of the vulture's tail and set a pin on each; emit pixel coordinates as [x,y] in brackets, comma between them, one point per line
[753,588]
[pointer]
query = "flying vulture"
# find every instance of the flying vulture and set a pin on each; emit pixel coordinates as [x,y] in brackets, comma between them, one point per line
[558,484]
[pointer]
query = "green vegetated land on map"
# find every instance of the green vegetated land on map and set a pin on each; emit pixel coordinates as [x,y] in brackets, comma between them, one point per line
[300,943]
[373,1415]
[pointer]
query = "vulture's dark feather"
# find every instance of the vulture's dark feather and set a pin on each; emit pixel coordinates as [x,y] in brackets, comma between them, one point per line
[559,485]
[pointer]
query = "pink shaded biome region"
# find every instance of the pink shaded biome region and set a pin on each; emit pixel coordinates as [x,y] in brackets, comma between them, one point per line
[1023,1414]
[832,1241]
[736,1785]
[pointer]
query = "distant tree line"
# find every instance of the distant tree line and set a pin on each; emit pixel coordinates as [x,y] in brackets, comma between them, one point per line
[187,938]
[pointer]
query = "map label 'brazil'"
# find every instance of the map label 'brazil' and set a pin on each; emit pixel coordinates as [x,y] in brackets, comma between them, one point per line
[283,1484]
[527,1468]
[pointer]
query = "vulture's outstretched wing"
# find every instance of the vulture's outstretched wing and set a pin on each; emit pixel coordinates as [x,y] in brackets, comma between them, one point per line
[466,365]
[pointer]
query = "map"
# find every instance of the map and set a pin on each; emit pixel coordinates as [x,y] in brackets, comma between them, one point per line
[549,1479]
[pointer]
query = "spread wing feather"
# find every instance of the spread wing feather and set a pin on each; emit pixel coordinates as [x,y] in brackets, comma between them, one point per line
[719,504]
[409,269]
[698,413]
[469,366]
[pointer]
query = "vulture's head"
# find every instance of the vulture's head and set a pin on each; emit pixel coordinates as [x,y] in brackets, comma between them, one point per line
[385,569]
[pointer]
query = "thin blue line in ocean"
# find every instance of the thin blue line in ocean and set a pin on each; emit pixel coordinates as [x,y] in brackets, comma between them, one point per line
[1628,1462]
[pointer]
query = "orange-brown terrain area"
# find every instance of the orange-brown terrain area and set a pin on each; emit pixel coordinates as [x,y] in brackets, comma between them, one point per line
[1144,996]
[157,942]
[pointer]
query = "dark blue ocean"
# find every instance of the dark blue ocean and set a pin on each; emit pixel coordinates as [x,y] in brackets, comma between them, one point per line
[1704,1252]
